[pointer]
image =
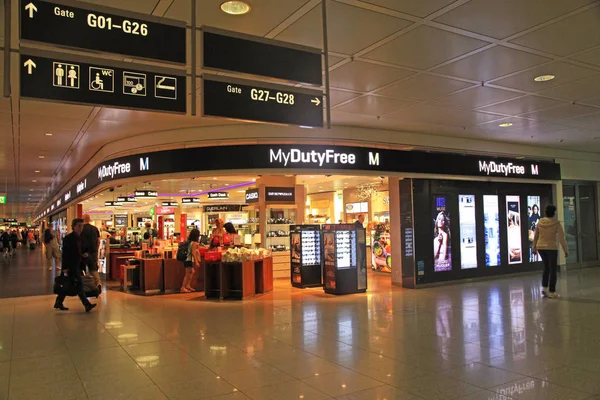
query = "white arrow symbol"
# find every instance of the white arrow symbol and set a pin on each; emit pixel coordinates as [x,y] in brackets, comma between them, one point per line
[316,101]
[30,66]
[31,8]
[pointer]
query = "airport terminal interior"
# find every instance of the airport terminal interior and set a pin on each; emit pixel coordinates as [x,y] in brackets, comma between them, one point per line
[300,199]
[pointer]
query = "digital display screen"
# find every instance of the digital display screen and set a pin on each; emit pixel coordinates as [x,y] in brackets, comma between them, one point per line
[345,249]
[513,223]
[468,241]
[491,223]
[533,217]
[442,249]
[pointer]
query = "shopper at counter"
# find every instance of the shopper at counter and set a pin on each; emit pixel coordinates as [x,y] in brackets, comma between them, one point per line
[149,234]
[192,261]
[360,221]
[218,234]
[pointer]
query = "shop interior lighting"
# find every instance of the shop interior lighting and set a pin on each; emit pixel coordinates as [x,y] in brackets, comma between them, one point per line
[505,125]
[48,134]
[544,78]
[235,7]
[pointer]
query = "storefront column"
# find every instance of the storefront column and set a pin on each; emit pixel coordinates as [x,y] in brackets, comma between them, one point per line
[557,196]
[395,230]
[300,203]
[72,214]
[161,227]
[79,210]
[262,212]
[176,221]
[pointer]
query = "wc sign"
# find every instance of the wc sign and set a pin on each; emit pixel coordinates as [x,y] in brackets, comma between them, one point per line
[102,79]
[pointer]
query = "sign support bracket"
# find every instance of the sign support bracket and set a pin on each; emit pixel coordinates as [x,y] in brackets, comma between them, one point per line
[326,54]
[193,55]
[7,44]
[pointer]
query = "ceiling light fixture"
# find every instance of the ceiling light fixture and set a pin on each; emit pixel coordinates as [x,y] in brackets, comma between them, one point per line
[36,171]
[34,181]
[48,134]
[505,125]
[40,157]
[235,7]
[544,78]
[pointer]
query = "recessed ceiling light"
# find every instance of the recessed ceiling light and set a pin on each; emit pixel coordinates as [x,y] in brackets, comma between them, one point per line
[321,190]
[48,134]
[36,171]
[544,78]
[235,7]
[505,125]
[34,181]
[40,156]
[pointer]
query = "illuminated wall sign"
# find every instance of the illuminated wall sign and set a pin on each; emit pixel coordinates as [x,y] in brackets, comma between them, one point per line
[223,208]
[252,196]
[112,204]
[218,195]
[62,78]
[467,225]
[259,56]
[145,194]
[280,194]
[327,157]
[513,231]
[126,199]
[508,169]
[190,200]
[2,199]
[170,204]
[120,220]
[255,101]
[68,196]
[9,220]
[81,186]
[165,210]
[103,29]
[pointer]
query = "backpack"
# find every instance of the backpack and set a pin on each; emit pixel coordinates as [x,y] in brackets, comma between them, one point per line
[47,236]
[182,251]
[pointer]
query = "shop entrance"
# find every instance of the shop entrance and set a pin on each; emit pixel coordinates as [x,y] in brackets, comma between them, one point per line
[581,223]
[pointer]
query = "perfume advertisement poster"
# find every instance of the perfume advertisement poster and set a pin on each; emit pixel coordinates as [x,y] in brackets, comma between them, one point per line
[513,223]
[442,251]
[468,242]
[533,217]
[491,223]
[329,250]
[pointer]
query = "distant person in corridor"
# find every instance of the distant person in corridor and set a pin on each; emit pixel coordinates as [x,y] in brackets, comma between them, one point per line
[72,262]
[51,245]
[548,232]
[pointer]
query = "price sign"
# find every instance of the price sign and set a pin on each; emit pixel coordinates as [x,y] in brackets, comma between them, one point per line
[104,29]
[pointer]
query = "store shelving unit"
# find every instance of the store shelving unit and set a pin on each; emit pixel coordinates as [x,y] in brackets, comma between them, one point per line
[279,221]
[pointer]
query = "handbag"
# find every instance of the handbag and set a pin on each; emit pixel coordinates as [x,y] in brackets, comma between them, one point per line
[64,285]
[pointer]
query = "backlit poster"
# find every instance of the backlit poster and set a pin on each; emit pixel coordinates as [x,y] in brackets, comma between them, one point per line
[329,251]
[491,223]
[533,217]
[468,242]
[442,250]
[513,223]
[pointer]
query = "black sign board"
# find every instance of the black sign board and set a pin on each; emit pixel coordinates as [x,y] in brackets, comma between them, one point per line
[190,200]
[65,79]
[218,195]
[146,194]
[9,220]
[252,196]
[224,208]
[102,29]
[256,101]
[230,51]
[169,204]
[126,199]
[280,194]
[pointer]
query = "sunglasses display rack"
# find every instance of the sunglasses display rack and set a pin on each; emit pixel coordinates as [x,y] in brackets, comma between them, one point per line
[344,252]
[306,255]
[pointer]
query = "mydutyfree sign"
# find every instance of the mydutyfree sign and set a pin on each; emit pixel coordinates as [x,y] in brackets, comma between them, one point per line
[328,157]
[506,169]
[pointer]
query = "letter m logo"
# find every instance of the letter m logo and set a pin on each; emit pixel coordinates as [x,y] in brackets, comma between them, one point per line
[144,164]
[373,158]
[534,169]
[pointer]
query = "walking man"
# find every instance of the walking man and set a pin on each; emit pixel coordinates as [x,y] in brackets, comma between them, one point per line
[72,261]
[51,247]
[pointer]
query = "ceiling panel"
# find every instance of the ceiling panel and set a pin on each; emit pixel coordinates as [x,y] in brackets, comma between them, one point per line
[589,57]
[51,123]
[570,35]
[476,97]
[492,63]
[50,109]
[368,27]
[501,19]
[264,16]
[365,77]
[418,8]
[522,105]
[563,72]
[586,121]
[575,91]
[373,105]
[442,115]
[423,87]
[424,47]
[339,96]
[561,112]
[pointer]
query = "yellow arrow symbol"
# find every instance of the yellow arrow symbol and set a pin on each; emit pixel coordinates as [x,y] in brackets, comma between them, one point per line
[316,101]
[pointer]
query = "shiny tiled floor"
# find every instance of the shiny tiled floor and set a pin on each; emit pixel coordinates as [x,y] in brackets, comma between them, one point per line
[495,340]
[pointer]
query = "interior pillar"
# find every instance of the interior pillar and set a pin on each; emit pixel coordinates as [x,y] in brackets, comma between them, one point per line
[395,230]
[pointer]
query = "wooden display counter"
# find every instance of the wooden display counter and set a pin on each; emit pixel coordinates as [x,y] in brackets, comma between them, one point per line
[173,271]
[114,266]
[238,280]
[151,275]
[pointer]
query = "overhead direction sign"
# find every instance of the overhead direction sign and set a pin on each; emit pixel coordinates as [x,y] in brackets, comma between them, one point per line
[256,101]
[232,51]
[60,78]
[91,27]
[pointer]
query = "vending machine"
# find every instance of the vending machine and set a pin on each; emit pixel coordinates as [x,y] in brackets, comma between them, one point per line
[344,250]
[306,256]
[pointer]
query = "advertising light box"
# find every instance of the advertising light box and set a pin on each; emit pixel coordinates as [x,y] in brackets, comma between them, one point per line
[513,233]
[491,223]
[468,241]
[442,247]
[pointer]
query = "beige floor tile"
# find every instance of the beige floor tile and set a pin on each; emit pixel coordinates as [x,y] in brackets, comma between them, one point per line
[437,387]
[306,367]
[341,383]
[116,383]
[256,377]
[535,389]
[380,393]
[69,390]
[292,390]
[481,375]
[196,389]
[136,393]
[574,378]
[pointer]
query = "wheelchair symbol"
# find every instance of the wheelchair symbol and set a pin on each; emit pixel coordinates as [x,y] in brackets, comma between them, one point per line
[102,80]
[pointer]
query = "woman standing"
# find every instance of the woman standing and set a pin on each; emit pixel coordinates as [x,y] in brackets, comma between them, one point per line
[218,233]
[192,261]
[548,231]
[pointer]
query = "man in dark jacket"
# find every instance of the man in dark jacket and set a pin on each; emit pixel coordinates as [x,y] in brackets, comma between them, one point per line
[91,242]
[72,261]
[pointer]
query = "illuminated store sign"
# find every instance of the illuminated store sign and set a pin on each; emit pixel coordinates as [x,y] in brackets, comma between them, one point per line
[146,194]
[170,204]
[218,195]
[109,171]
[126,199]
[252,196]
[190,200]
[280,194]
[494,168]
[223,208]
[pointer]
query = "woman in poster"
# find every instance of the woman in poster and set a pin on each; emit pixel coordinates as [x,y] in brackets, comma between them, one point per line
[532,222]
[514,238]
[442,257]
